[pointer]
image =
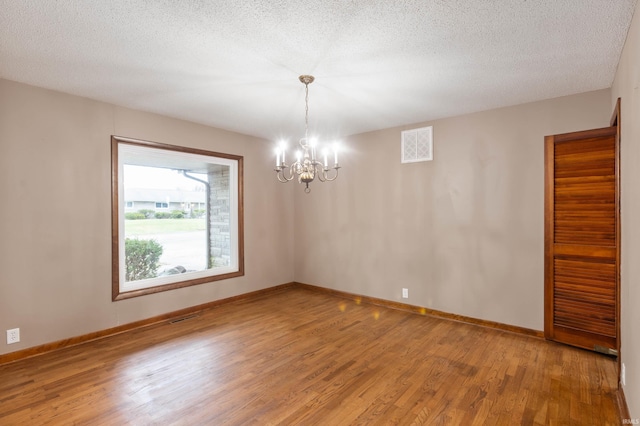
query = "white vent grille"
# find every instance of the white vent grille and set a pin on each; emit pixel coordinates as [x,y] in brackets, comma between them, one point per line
[417,145]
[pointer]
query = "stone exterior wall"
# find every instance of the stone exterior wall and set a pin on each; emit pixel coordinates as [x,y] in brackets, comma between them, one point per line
[220,217]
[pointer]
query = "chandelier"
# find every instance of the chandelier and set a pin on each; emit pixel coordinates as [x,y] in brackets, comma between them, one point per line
[307,166]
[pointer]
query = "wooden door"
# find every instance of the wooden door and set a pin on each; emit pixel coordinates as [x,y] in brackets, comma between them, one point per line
[582,239]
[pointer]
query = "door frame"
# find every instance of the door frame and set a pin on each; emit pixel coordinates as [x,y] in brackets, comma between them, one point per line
[616,120]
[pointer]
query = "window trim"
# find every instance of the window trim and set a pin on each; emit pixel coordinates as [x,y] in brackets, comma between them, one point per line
[116,293]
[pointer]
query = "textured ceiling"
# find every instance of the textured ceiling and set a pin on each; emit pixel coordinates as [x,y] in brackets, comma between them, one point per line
[235,64]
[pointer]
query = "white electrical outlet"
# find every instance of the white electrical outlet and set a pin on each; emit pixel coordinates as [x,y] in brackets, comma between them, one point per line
[405,293]
[622,373]
[13,336]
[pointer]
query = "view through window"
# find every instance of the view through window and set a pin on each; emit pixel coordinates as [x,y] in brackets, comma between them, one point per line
[180,222]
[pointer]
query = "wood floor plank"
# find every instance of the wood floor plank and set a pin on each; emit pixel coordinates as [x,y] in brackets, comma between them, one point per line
[301,357]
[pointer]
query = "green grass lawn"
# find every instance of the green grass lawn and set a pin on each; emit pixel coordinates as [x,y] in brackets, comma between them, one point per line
[162,226]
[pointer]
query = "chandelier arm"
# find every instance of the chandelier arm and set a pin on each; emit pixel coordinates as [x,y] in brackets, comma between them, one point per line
[326,175]
[318,168]
[282,177]
[293,171]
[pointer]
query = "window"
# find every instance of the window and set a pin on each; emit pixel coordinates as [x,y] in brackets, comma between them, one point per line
[194,237]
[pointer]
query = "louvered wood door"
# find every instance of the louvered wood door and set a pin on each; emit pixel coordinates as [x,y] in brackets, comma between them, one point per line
[582,238]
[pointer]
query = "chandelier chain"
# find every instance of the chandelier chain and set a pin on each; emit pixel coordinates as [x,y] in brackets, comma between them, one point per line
[306,110]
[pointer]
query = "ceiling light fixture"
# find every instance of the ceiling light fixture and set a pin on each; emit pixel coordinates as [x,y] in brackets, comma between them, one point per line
[306,166]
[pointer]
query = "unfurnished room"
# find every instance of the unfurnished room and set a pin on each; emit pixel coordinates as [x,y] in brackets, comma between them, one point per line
[319,213]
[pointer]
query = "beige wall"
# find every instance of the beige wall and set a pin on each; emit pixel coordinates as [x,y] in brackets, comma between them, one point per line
[464,233]
[626,86]
[55,243]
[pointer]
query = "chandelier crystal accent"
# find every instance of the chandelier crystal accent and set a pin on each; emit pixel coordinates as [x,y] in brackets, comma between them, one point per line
[307,166]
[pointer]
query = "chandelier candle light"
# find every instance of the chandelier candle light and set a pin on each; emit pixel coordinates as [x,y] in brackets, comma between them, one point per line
[306,167]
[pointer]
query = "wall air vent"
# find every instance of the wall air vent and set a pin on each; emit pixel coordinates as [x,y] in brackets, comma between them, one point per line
[417,145]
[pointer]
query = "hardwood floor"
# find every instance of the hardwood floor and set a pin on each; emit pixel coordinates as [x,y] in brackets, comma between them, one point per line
[300,357]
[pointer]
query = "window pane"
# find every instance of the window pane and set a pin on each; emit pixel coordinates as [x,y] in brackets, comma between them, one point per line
[178,224]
